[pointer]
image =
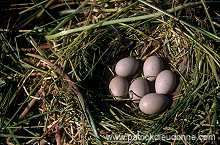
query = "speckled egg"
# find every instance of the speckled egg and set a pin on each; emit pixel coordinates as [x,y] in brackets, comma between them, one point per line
[138,89]
[153,65]
[118,86]
[153,103]
[126,67]
[165,82]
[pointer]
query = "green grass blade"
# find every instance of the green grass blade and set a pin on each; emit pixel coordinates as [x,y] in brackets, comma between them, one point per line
[210,20]
[206,33]
[123,20]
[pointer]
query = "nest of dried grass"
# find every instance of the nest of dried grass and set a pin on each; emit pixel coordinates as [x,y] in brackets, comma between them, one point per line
[57,58]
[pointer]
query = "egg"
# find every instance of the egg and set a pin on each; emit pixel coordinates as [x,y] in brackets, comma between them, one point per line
[118,86]
[153,65]
[165,82]
[138,89]
[126,67]
[153,103]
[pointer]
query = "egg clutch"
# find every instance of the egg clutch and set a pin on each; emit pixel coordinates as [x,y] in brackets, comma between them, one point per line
[140,88]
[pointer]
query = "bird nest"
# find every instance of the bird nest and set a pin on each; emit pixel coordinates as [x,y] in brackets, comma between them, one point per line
[57,58]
